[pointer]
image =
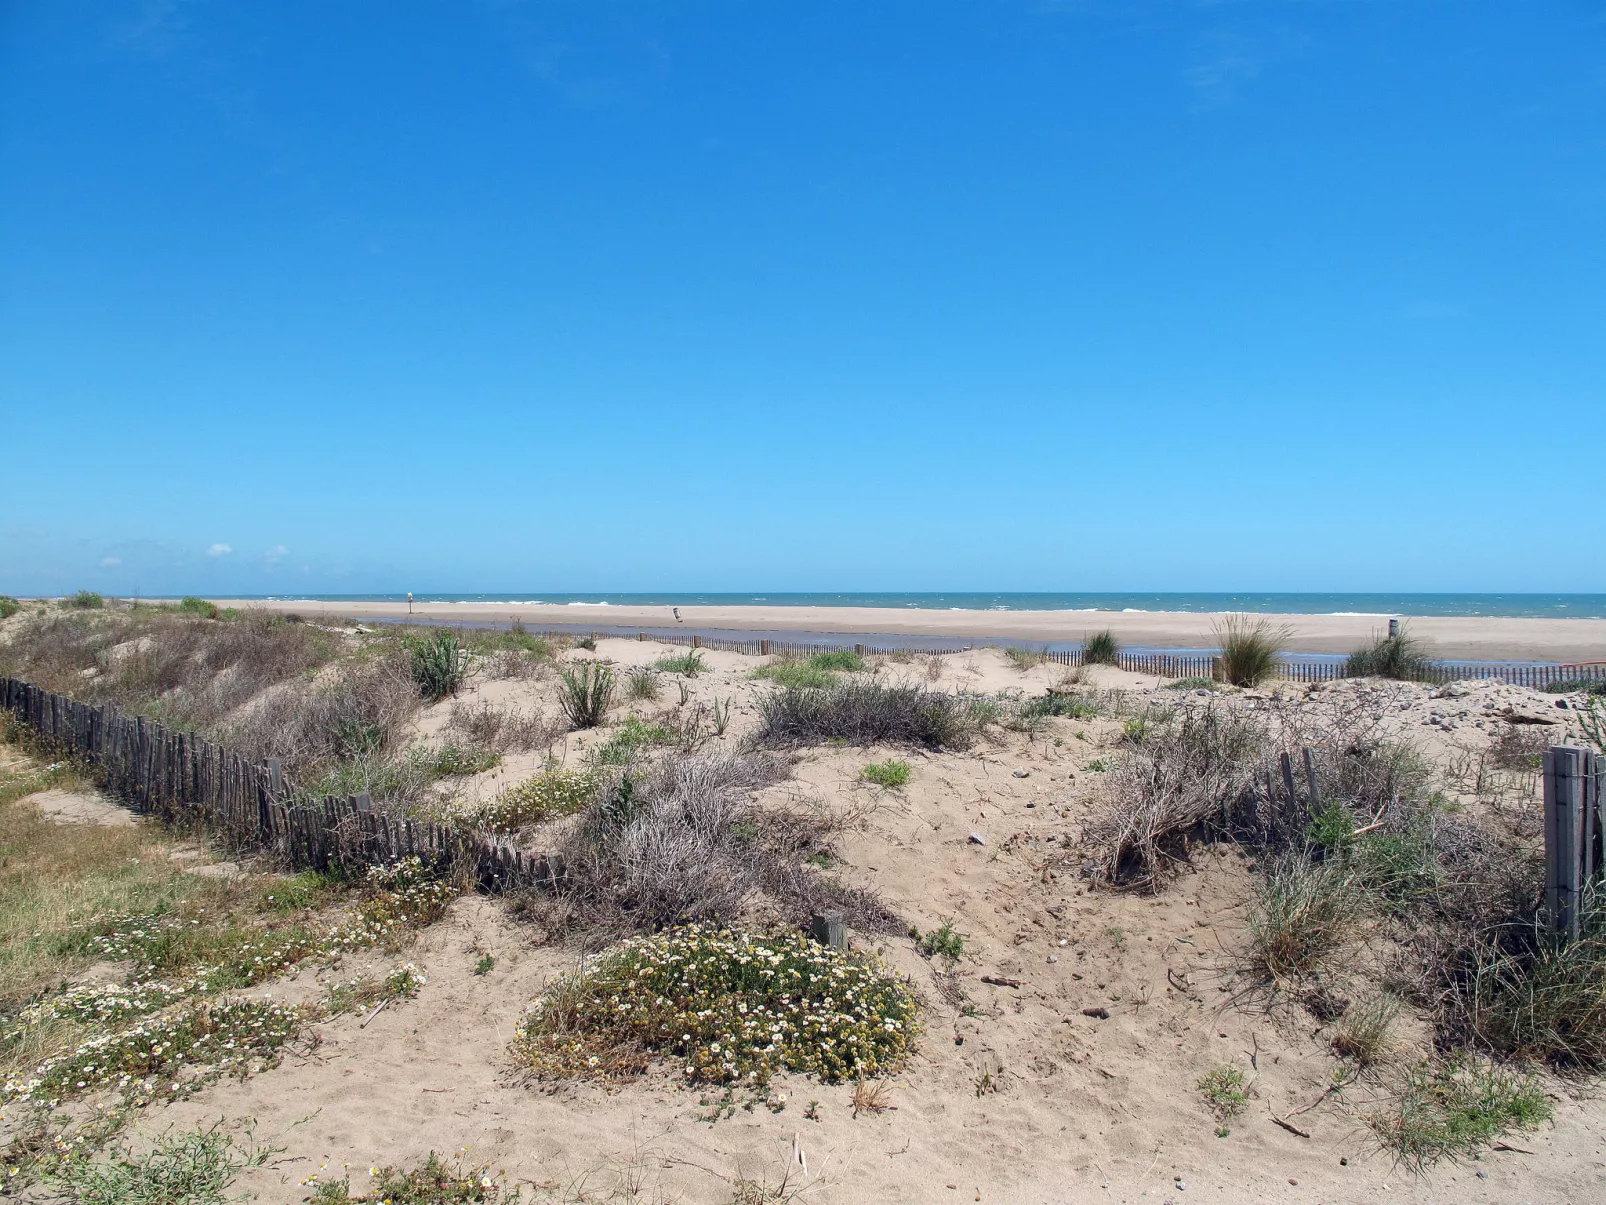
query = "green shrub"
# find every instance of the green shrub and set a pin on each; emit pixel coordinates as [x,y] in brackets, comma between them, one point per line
[8,606]
[1025,659]
[1101,649]
[1069,704]
[642,683]
[728,1007]
[84,600]
[1250,649]
[230,614]
[795,675]
[1193,684]
[890,773]
[1399,656]
[453,760]
[439,664]
[198,606]
[587,694]
[842,659]
[1561,686]
[433,1182]
[690,663]
[1455,1108]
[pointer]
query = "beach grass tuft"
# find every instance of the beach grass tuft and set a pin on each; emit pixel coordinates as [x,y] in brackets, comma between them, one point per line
[1250,649]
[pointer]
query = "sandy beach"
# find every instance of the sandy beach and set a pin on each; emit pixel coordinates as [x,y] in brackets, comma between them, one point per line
[1455,638]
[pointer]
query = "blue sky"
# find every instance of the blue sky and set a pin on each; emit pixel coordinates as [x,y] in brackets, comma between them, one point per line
[334,297]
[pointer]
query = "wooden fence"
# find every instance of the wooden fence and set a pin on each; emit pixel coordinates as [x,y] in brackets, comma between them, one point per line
[1162,665]
[182,778]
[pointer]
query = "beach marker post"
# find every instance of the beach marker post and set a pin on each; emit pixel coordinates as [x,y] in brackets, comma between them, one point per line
[1394,629]
[1572,829]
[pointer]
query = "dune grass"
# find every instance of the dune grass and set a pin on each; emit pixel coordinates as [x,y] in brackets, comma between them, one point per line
[861,712]
[688,664]
[1455,1108]
[1250,649]
[587,693]
[1102,648]
[818,670]
[1399,657]
[890,773]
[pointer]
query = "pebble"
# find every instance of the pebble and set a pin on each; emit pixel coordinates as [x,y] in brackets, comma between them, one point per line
[977,839]
[1023,773]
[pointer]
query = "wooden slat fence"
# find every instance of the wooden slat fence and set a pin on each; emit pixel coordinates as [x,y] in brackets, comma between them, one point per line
[185,779]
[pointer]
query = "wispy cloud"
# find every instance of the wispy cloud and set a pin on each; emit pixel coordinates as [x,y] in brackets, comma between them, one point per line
[219,550]
[107,562]
[275,554]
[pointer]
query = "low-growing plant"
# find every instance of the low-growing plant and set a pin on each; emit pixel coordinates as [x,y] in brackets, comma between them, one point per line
[795,675]
[587,693]
[84,600]
[890,773]
[588,643]
[8,606]
[198,606]
[1537,998]
[454,760]
[1399,656]
[1101,649]
[1226,1091]
[1250,649]
[1193,684]
[1455,1108]
[844,660]
[193,1167]
[1075,705]
[1561,686]
[635,734]
[729,1007]
[439,663]
[722,715]
[432,1182]
[548,795]
[942,942]
[688,664]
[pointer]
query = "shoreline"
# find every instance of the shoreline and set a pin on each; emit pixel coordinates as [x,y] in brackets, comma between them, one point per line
[1452,638]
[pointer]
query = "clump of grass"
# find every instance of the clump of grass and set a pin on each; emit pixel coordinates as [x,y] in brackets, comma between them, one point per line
[198,606]
[1362,1033]
[1025,659]
[1399,656]
[439,663]
[1303,913]
[641,684]
[552,793]
[1519,747]
[727,1006]
[845,660]
[433,1182]
[688,664]
[628,739]
[942,942]
[1101,649]
[1225,1090]
[193,1167]
[84,600]
[890,773]
[1561,686]
[500,729]
[795,675]
[452,760]
[587,693]
[8,606]
[1455,1108]
[1250,649]
[1538,998]
[859,712]
[1193,684]
[588,643]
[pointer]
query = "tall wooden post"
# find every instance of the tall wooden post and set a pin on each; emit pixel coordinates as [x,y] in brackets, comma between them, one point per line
[1565,796]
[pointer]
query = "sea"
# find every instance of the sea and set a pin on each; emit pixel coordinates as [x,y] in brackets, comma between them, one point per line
[1524,606]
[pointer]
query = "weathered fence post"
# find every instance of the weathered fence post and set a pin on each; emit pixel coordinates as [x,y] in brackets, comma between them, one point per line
[763,648]
[1394,628]
[1566,792]
[858,650]
[1311,781]
[696,642]
[829,929]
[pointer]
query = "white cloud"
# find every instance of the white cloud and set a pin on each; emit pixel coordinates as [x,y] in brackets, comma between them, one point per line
[276,554]
[219,550]
[108,561]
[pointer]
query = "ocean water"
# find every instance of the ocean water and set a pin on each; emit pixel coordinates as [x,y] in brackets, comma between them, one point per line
[1547,606]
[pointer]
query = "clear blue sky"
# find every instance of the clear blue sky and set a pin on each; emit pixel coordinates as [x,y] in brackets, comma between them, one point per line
[320,297]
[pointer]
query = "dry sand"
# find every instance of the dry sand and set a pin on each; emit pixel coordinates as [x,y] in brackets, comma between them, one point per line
[1459,638]
[1016,1094]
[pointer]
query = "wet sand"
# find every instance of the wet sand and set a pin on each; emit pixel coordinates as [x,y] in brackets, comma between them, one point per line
[1454,638]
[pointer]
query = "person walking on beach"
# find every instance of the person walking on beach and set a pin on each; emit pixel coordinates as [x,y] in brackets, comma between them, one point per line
[676,610]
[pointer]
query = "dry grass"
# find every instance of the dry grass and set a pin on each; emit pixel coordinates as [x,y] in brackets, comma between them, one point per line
[1303,914]
[503,729]
[1183,776]
[862,712]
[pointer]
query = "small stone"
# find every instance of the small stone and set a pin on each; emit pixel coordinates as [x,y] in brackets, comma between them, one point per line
[977,839]
[1023,773]
[1483,1175]
[1182,1186]
[1343,1160]
[1053,957]
[1291,1180]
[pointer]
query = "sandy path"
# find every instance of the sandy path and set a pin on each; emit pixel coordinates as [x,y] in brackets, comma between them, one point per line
[1457,637]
